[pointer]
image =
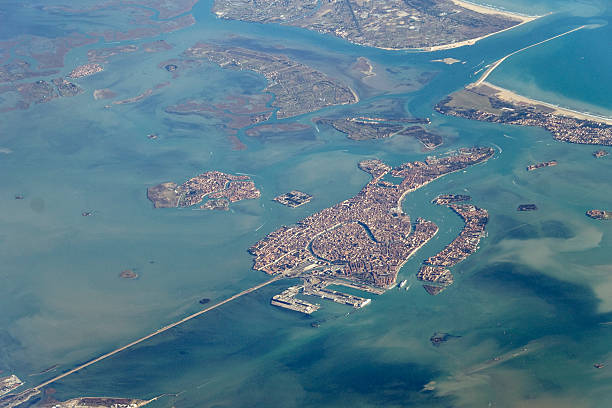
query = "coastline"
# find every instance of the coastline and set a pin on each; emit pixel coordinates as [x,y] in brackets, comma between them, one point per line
[510,96]
[479,8]
[473,41]
[523,19]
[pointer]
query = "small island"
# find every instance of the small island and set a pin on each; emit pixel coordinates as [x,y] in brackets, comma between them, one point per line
[212,184]
[438,338]
[86,70]
[600,153]
[599,214]
[128,274]
[367,128]
[446,199]
[293,198]
[536,166]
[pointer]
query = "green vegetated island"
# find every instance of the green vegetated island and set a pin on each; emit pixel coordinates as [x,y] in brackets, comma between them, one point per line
[388,24]
[363,242]
[366,128]
[298,88]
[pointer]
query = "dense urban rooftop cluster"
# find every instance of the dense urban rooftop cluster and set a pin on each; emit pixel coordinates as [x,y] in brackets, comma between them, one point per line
[85,70]
[435,271]
[368,236]
[467,242]
[298,88]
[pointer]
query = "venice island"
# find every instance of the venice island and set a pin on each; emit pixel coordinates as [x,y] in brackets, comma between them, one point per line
[362,241]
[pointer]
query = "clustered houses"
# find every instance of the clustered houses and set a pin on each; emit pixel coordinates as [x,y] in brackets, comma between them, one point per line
[216,185]
[563,128]
[293,198]
[435,274]
[434,271]
[368,235]
[467,242]
[297,88]
[85,70]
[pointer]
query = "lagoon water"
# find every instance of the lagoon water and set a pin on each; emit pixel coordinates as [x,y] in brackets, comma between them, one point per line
[541,280]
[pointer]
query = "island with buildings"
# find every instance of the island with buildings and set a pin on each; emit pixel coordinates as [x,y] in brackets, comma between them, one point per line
[599,214]
[366,239]
[297,88]
[128,274]
[212,184]
[486,102]
[293,198]
[100,402]
[435,270]
[9,383]
[600,153]
[387,24]
[85,70]
[541,165]
[366,128]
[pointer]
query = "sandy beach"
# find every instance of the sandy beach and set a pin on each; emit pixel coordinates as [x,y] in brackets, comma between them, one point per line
[509,96]
[490,10]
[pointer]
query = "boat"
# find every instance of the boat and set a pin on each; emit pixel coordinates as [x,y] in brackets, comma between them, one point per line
[403,283]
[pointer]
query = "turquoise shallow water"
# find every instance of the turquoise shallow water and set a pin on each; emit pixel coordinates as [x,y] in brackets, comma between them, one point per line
[541,280]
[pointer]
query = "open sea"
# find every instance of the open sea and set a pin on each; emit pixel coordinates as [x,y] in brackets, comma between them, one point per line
[538,290]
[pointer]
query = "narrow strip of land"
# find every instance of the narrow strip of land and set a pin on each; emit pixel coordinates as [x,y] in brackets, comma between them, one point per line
[155,333]
[499,61]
